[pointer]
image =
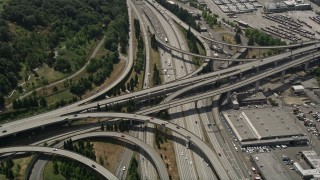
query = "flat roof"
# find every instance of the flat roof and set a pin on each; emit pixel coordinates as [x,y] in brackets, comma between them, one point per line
[296,87]
[251,96]
[171,2]
[313,158]
[261,123]
[268,142]
[269,167]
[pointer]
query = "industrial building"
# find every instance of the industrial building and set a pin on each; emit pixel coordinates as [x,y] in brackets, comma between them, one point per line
[283,6]
[297,89]
[313,160]
[261,126]
[251,98]
[268,167]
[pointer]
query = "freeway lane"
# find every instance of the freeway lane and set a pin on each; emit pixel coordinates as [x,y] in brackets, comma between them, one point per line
[146,167]
[181,65]
[77,157]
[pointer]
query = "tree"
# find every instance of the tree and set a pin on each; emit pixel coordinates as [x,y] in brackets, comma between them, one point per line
[237,38]
[43,102]
[101,161]
[2,101]
[251,41]
[102,127]
[156,75]
[136,78]
[55,168]
[98,107]
[154,43]
[62,65]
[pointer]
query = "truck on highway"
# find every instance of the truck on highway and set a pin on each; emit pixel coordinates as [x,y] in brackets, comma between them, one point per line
[166,39]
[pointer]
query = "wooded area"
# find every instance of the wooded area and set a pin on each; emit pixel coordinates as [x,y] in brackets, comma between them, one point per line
[31,30]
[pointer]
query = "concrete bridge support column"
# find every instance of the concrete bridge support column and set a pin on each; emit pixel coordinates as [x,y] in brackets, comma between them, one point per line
[130,122]
[240,76]
[283,73]
[257,68]
[275,64]
[213,66]
[228,96]
[257,85]
[42,127]
[306,66]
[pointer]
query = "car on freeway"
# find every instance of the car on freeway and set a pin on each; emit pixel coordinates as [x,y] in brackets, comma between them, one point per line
[124,168]
[4,131]
[55,149]
[94,166]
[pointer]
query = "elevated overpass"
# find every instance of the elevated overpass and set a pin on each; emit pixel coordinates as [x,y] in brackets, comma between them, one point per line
[169,47]
[171,87]
[231,87]
[160,166]
[207,151]
[162,89]
[68,154]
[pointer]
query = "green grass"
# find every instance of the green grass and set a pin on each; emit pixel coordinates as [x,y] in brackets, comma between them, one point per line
[48,173]
[65,94]
[50,74]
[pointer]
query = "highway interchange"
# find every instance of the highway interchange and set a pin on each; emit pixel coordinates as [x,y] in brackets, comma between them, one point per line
[177,64]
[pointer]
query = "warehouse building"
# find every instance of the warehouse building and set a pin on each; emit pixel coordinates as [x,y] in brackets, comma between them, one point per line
[263,126]
[268,167]
[313,160]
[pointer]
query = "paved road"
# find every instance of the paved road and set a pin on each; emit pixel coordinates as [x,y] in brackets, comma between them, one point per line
[177,69]
[77,157]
